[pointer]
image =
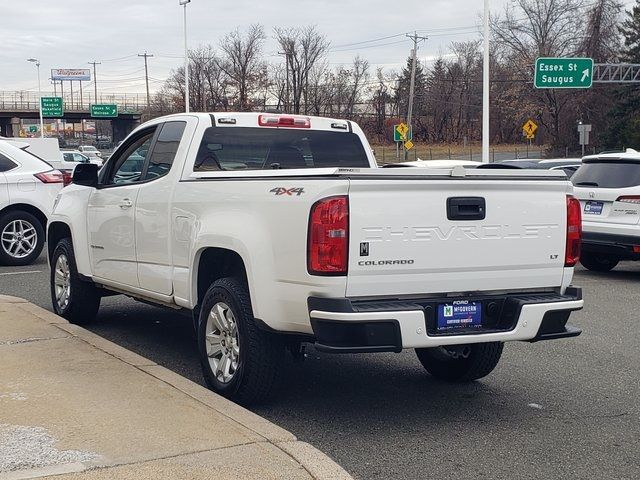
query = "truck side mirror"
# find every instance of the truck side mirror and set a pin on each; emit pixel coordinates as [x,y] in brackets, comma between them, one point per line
[85,174]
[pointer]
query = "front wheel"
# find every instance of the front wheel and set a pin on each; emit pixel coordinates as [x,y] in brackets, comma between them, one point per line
[461,363]
[598,262]
[239,361]
[74,299]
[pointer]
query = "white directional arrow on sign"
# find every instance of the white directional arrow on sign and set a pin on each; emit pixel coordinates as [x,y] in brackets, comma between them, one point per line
[585,74]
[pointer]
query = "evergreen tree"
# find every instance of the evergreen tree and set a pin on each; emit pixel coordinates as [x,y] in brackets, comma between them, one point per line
[630,30]
[624,116]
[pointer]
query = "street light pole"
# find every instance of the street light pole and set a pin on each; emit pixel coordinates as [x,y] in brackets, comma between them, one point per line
[186,58]
[37,62]
[485,86]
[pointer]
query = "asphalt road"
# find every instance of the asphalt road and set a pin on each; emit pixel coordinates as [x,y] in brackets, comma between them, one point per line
[564,409]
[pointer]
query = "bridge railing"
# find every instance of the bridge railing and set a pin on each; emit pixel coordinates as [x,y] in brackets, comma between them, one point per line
[28,100]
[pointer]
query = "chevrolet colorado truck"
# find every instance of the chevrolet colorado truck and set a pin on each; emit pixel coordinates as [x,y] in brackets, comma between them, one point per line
[279,230]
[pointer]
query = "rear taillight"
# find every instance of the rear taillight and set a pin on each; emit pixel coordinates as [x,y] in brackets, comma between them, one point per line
[66,177]
[574,232]
[284,121]
[328,241]
[52,176]
[629,199]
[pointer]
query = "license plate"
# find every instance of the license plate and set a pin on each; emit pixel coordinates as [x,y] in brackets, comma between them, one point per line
[459,314]
[593,208]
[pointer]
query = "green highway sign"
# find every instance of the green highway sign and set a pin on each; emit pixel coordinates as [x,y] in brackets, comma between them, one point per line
[104,110]
[563,73]
[33,128]
[51,106]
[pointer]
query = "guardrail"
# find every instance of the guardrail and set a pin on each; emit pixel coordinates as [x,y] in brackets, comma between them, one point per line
[28,100]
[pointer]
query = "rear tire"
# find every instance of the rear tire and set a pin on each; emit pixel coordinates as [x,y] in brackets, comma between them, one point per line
[597,262]
[72,298]
[239,361]
[465,364]
[21,238]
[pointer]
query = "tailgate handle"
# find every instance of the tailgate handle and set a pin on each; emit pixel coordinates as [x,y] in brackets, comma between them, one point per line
[466,208]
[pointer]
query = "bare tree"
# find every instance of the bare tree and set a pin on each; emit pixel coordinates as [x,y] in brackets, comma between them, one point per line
[207,85]
[303,48]
[242,63]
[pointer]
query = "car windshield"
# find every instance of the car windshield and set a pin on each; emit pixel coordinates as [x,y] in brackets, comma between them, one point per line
[608,174]
[270,148]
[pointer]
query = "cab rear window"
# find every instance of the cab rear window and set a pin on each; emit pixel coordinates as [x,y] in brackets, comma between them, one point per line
[608,174]
[244,148]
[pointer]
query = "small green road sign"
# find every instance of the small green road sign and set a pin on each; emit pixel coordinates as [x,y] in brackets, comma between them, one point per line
[563,73]
[402,133]
[104,110]
[51,106]
[33,128]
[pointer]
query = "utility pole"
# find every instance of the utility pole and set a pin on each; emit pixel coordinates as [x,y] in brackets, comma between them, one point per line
[95,81]
[184,4]
[485,86]
[286,61]
[95,94]
[412,84]
[146,75]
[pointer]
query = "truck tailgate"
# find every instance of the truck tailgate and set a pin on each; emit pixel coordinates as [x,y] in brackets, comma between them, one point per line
[412,236]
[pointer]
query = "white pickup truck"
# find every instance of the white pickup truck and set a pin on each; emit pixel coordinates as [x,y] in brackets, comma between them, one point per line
[277,230]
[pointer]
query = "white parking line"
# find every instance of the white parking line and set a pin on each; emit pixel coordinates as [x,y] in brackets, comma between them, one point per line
[20,273]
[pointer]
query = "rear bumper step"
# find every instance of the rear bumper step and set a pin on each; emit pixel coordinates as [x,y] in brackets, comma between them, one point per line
[347,326]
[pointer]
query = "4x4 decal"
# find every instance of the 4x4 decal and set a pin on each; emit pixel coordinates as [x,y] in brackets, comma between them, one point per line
[287,191]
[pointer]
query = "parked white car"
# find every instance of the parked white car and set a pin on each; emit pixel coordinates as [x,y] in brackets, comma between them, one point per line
[275,230]
[608,186]
[71,158]
[435,164]
[90,151]
[28,187]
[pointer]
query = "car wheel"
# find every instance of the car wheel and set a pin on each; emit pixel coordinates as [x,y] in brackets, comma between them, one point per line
[21,238]
[73,298]
[239,360]
[461,363]
[598,262]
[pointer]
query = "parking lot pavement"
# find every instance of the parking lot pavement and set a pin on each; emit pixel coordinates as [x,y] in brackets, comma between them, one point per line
[74,405]
[558,409]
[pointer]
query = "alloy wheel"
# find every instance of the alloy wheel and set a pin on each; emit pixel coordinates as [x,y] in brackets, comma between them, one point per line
[221,339]
[62,281]
[19,238]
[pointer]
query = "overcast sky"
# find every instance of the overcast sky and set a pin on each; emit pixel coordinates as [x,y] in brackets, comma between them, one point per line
[70,33]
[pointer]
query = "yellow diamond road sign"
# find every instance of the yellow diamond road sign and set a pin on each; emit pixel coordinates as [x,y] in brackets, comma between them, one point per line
[530,128]
[402,129]
[408,145]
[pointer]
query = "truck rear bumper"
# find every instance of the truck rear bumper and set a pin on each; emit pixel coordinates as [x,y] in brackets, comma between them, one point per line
[343,326]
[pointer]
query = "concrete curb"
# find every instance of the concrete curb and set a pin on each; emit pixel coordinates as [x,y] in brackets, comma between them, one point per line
[316,463]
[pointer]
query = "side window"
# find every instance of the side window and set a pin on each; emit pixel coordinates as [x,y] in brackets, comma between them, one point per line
[6,164]
[164,150]
[77,157]
[128,168]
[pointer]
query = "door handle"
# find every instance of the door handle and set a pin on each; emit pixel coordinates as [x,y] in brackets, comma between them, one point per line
[126,203]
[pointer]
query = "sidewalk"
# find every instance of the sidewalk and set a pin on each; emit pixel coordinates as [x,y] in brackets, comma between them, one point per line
[77,406]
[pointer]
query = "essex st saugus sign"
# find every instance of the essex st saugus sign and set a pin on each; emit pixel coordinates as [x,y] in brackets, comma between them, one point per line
[563,73]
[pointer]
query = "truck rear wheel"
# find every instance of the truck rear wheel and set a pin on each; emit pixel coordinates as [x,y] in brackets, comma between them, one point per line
[598,262]
[461,363]
[239,361]
[72,298]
